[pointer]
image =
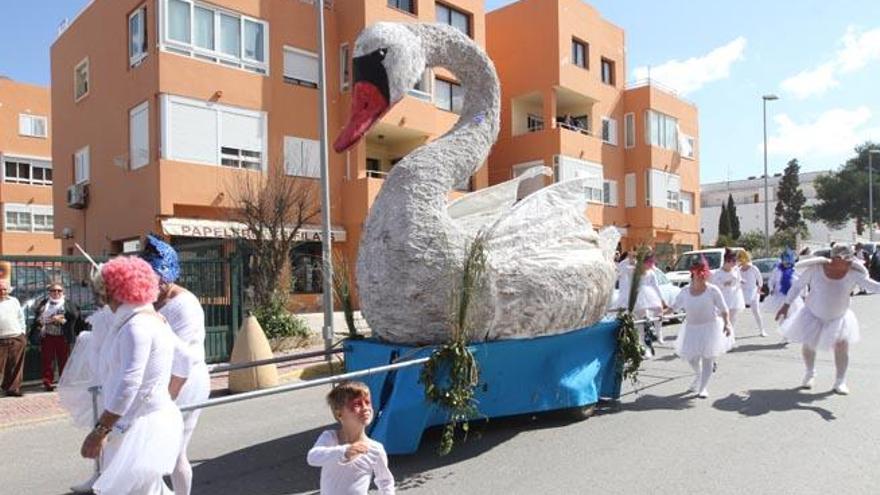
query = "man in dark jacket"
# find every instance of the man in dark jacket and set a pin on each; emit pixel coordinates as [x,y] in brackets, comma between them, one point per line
[56,323]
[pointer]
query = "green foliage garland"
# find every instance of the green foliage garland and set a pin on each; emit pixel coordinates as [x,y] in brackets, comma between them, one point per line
[630,351]
[451,374]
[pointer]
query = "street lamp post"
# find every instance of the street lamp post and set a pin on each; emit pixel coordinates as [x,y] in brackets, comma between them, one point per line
[765,99]
[871,154]
[327,250]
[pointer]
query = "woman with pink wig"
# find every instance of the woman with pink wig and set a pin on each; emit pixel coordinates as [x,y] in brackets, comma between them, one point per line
[140,430]
[706,333]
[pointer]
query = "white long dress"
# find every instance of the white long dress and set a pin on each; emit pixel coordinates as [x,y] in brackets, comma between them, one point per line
[826,318]
[702,335]
[135,369]
[186,317]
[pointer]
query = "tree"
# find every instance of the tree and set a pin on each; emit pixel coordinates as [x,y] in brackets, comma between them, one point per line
[753,241]
[790,200]
[723,222]
[273,208]
[733,218]
[843,195]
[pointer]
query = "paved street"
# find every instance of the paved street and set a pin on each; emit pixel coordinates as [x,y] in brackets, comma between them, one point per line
[756,434]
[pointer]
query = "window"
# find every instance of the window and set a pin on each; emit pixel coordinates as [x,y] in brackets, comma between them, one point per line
[687,146]
[664,190]
[137,36]
[300,67]
[302,157]
[405,5]
[28,218]
[687,203]
[629,130]
[208,33]
[630,193]
[607,71]
[81,164]
[422,88]
[455,18]
[32,125]
[661,130]
[81,80]
[344,67]
[609,130]
[448,95]
[609,190]
[212,134]
[572,168]
[27,171]
[580,54]
[139,135]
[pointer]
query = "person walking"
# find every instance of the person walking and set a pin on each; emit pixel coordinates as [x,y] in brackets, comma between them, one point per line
[57,322]
[12,341]
[752,281]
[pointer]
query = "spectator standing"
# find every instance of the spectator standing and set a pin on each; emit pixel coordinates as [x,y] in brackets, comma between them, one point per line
[12,341]
[57,322]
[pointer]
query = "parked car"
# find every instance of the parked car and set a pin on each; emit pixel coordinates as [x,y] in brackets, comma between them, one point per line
[668,290]
[680,274]
[765,266]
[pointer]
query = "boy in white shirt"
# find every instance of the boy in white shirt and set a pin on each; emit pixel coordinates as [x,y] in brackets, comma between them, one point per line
[347,457]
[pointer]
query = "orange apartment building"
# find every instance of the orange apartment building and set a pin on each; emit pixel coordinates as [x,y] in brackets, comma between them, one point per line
[565,105]
[167,103]
[26,155]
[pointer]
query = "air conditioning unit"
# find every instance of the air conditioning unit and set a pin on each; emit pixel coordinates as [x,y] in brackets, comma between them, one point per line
[78,196]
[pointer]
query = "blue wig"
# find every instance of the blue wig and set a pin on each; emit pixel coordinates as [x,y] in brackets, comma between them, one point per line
[786,266]
[162,257]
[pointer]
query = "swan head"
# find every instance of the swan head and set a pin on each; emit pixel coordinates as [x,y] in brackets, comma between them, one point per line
[388,61]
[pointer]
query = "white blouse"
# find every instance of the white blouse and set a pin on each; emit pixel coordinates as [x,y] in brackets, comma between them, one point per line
[136,358]
[701,309]
[730,284]
[341,477]
[751,281]
[187,320]
[829,298]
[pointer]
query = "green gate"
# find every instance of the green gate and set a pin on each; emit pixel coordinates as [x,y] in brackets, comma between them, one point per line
[213,277]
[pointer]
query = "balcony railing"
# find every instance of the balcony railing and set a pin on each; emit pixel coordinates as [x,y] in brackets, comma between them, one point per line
[376,174]
[575,128]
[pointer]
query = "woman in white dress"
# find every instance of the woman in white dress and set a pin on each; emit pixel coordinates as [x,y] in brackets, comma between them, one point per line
[626,267]
[728,279]
[707,332]
[752,281]
[649,300]
[184,313]
[140,430]
[781,280]
[826,321]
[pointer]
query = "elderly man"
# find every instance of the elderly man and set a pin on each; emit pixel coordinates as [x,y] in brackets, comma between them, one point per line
[56,324]
[12,341]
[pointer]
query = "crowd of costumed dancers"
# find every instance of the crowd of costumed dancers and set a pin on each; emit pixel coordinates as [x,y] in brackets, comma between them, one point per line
[809,299]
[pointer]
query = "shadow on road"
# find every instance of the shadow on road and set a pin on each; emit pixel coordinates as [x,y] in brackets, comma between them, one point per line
[648,402]
[761,402]
[759,347]
[276,467]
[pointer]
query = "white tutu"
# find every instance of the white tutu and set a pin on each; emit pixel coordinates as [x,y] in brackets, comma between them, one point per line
[804,327]
[702,341]
[196,389]
[648,300]
[135,461]
[78,376]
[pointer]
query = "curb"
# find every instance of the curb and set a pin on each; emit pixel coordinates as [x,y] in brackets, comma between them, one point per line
[32,421]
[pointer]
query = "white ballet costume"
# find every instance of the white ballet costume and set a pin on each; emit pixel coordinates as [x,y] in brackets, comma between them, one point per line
[135,368]
[776,297]
[730,284]
[752,280]
[649,300]
[186,317]
[625,271]
[701,339]
[825,321]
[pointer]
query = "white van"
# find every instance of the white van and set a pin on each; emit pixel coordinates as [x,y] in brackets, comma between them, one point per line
[680,274]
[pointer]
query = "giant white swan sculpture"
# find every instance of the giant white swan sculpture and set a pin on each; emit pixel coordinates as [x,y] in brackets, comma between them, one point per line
[548,271]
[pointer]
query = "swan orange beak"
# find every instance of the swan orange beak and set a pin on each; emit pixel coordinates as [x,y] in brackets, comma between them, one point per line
[368,105]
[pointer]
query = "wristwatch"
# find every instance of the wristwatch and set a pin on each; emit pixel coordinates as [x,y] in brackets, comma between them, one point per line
[102,430]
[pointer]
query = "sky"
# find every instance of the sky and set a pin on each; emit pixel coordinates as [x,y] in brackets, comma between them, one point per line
[821,58]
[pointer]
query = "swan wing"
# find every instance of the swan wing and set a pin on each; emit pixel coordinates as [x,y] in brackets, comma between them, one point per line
[473,211]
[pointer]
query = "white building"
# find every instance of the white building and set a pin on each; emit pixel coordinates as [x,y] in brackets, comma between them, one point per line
[749,198]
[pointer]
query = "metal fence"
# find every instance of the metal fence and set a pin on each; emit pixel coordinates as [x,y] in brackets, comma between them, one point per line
[213,277]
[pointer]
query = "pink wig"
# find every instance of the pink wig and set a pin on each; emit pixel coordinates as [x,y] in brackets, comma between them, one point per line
[130,280]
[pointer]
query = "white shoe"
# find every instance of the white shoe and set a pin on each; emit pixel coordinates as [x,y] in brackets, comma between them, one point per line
[85,486]
[809,380]
[841,388]
[703,394]
[763,333]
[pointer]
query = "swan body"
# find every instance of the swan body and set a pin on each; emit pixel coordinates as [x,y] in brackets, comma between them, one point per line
[548,271]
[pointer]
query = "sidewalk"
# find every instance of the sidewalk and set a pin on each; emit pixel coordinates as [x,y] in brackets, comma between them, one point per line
[38,406]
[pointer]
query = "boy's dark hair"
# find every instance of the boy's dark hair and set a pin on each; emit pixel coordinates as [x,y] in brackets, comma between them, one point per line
[343,393]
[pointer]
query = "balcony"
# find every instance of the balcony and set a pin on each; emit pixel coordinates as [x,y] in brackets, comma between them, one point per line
[387,144]
[572,111]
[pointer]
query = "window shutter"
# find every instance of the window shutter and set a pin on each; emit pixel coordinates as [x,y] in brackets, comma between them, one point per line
[300,66]
[139,136]
[630,190]
[302,157]
[240,131]
[658,188]
[193,135]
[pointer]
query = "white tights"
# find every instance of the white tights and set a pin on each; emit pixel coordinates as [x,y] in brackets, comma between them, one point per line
[756,312]
[841,360]
[703,369]
[181,477]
